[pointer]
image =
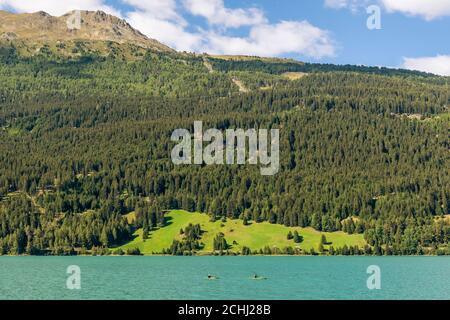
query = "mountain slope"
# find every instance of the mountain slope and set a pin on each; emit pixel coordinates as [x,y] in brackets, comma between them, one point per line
[94,26]
[85,143]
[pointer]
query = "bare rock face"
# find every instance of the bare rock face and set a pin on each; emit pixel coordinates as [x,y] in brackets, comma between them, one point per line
[8,36]
[74,25]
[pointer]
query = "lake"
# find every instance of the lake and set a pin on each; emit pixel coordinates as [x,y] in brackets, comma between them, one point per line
[186,277]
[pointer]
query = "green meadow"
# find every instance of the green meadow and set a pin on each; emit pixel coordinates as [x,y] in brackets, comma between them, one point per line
[254,235]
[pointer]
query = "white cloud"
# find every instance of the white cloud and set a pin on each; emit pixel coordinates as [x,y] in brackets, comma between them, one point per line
[439,65]
[336,4]
[276,39]
[161,20]
[164,10]
[217,14]
[427,9]
[57,7]
[169,32]
[353,5]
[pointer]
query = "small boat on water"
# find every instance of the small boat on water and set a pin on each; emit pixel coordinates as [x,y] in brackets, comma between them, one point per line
[256,277]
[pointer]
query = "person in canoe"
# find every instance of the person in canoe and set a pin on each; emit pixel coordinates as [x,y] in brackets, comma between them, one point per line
[212,277]
[256,277]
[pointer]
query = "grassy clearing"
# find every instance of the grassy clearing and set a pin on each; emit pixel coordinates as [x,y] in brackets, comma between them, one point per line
[13,132]
[442,117]
[445,218]
[434,120]
[294,75]
[253,58]
[254,236]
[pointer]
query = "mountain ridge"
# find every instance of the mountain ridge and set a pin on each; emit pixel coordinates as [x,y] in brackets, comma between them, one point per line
[105,35]
[92,26]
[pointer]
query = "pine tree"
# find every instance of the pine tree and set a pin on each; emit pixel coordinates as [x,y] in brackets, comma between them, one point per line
[145,232]
[104,238]
[321,248]
[297,238]
[290,236]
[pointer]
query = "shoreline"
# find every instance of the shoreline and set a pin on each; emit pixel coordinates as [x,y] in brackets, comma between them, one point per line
[219,256]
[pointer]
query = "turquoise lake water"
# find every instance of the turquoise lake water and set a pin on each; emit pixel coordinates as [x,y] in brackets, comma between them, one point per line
[185,278]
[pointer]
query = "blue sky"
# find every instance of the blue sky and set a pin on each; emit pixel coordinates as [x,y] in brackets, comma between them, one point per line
[401,35]
[413,34]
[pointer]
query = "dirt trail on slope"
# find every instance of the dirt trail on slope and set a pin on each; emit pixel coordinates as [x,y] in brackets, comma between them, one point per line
[241,86]
[237,82]
[208,65]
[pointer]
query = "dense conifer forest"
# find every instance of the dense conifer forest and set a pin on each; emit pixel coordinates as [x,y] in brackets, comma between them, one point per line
[86,140]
